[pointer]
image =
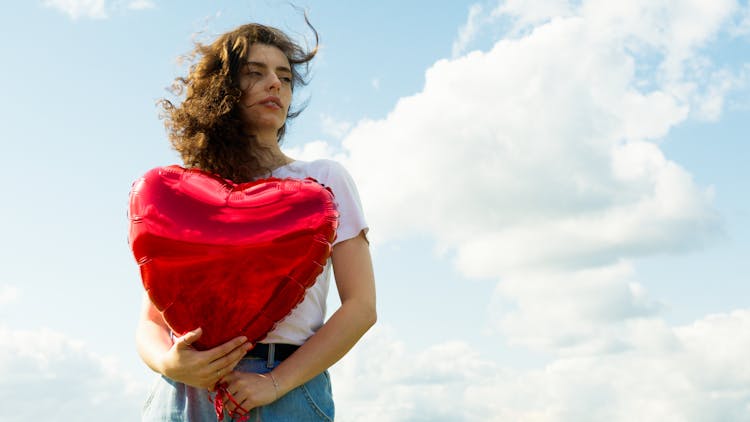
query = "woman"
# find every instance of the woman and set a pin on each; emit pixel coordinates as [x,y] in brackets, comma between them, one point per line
[238,96]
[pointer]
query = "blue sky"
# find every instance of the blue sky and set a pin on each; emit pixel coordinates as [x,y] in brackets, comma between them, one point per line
[555,189]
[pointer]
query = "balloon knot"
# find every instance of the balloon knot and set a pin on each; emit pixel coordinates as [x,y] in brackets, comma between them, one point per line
[220,399]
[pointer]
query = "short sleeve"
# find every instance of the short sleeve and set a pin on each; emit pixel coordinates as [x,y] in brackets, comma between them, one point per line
[351,216]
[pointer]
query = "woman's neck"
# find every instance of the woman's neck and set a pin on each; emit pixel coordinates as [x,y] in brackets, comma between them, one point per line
[272,157]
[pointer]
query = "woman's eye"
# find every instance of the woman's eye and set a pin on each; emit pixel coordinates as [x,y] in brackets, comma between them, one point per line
[286,79]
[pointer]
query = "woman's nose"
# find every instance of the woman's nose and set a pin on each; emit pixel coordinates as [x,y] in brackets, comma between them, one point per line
[274,82]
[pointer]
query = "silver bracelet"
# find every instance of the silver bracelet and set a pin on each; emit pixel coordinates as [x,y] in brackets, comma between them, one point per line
[275,384]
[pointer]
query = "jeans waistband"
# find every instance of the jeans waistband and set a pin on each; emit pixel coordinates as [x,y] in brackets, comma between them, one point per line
[272,352]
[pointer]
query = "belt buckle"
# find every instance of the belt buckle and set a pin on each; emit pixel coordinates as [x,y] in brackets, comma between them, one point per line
[271,355]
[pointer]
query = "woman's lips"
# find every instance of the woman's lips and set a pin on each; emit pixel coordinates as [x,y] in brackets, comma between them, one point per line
[271,101]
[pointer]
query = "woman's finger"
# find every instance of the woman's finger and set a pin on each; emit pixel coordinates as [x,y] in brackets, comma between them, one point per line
[231,357]
[240,409]
[226,348]
[225,371]
[189,338]
[229,378]
[224,367]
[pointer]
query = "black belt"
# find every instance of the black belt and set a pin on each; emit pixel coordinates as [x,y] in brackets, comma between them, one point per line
[272,352]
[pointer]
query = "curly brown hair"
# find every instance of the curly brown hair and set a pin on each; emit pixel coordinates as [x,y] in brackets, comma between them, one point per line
[206,128]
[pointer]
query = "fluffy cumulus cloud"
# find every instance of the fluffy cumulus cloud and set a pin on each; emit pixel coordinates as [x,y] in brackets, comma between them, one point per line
[581,312]
[695,372]
[540,151]
[381,380]
[48,376]
[93,9]
[333,127]
[537,163]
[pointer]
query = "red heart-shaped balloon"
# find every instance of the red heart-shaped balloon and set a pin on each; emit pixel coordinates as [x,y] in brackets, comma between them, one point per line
[234,259]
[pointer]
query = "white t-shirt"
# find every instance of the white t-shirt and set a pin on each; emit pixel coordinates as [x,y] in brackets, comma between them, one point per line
[309,315]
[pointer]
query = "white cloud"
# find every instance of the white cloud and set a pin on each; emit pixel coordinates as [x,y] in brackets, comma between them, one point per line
[510,158]
[383,381]
[469,30]
[311,151]
[49,376]
[93,9]
[742,27]
[583,312]
[96,9]
[711,101]
[528,13]
[537,163]
[333,127]
[691,373]
[676,30]
[141,5]
[718,342]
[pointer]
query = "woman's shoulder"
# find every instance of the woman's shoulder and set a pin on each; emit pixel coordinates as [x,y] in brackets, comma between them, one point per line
[323,170]
[320,164]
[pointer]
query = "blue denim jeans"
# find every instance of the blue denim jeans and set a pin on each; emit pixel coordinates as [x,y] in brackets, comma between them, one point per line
[173,401]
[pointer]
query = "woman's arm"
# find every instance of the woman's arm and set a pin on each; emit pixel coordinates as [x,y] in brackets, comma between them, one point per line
[178,360]
[355,280]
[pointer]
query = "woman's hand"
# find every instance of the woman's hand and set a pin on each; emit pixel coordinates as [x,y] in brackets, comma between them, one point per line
[250,390]
[202,368]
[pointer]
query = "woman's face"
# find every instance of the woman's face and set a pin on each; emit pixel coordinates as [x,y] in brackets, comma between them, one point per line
[266,84]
